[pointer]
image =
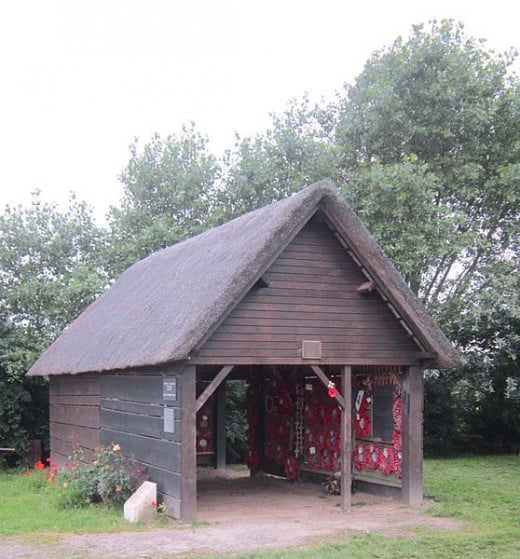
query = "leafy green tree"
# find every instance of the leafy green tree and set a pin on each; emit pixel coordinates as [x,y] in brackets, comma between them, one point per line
[445,101]
[169,192]
[430,144]
[294,152]
[48,273]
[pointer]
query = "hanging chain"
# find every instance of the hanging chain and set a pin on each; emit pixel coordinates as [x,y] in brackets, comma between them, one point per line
[298,421]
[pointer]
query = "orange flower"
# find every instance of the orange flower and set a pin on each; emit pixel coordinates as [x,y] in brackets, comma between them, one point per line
[118,488]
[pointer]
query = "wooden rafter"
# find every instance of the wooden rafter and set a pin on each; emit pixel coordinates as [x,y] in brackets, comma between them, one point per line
[323,377]
[213,385]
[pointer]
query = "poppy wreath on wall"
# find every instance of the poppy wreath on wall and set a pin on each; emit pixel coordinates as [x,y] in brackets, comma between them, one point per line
[362,426]
[386,460]
[358,457]
[372,461]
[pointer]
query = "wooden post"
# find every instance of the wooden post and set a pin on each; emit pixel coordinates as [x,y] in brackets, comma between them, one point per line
[346,439]
[221,426]
[188,445]
[412,433]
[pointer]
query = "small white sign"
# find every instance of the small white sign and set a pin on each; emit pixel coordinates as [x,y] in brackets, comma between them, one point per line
[169,420]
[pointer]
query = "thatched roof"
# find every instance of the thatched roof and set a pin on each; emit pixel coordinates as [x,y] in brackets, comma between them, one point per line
[163,306]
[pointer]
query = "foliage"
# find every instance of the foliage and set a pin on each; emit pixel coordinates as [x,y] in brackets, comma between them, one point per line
[42,474]
[109,479]
[48,273]
[168,196]
[236,421]
[430,145]
[293,153]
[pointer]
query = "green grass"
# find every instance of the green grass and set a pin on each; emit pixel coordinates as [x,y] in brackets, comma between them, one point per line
[27,511]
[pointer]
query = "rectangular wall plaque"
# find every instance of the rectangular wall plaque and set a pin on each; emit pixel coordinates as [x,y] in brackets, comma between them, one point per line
[169,420]
[170,389]
[311,349]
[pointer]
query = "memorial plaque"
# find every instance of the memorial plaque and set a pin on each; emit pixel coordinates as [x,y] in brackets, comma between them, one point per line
[170,389]
[169,420]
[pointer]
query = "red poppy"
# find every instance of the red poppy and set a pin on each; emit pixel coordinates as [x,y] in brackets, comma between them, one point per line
[39,465]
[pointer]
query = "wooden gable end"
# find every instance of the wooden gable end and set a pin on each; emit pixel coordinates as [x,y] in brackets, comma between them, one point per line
[310,293]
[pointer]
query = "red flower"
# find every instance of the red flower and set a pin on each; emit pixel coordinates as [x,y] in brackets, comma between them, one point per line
[39,465]
[48,459]
[53,478]
[27,473]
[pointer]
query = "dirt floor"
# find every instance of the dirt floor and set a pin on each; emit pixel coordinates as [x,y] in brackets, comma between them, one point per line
[240,514]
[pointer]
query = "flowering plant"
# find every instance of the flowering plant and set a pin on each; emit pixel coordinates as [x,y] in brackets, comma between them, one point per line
[110,478]
[42,474]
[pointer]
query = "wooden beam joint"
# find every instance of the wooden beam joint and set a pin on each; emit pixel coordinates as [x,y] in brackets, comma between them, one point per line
[213,385]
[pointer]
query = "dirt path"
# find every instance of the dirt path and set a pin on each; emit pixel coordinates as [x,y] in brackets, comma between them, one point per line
[243,515]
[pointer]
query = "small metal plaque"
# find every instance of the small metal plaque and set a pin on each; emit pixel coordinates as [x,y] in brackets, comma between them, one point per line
[169,420]
[170,389]
[311,349]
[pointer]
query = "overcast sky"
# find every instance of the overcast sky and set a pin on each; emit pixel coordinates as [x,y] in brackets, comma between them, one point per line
[81,79]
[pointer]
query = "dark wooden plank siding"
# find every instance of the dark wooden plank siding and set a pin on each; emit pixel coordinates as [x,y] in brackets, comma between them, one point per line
[74,415]
[311,294]
[132,415]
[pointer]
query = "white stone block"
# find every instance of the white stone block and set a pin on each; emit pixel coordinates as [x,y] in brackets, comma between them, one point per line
[141,505]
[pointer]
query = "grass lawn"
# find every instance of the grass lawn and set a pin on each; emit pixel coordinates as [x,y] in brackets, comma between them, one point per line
[484,492]
[26,511]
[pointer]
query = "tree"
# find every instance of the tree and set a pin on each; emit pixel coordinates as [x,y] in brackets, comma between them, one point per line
[49,272]
[452,106]
[169,193]
[430,144]
[294,152]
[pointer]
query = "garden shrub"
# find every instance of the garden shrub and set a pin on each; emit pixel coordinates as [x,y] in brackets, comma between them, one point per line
[109,479]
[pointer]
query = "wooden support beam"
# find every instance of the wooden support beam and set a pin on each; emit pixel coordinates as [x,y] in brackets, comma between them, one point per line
[346,440]
[221,427]
[412,433]
[213,385]
[323,377]
[188,466]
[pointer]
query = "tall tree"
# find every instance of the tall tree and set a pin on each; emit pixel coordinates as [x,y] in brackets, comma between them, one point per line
[430,144]
[169,191]
[294,152]
[443,100]
[48,273]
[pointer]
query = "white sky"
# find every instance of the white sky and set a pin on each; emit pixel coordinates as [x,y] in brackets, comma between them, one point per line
[81,78]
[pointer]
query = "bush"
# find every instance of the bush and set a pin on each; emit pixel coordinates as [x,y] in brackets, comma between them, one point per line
[110,479]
